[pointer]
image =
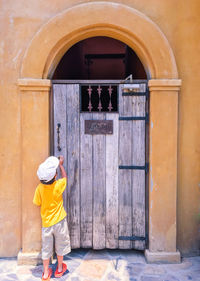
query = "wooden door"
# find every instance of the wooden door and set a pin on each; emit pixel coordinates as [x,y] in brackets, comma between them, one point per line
[105,198]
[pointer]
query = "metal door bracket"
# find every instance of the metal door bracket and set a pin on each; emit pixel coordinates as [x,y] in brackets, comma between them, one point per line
[126,167]
[135,118]
[132,238]
[134,94]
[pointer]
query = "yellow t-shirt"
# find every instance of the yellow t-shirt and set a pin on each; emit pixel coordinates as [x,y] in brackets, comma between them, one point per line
[49,197]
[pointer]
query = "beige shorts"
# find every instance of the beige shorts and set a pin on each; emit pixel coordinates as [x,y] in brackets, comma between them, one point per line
[60,233]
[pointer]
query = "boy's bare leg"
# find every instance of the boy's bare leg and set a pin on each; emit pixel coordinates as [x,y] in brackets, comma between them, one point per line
[60,261]
[46,268]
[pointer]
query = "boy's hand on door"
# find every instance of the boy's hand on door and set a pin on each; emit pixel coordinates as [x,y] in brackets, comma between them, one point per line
[61,160]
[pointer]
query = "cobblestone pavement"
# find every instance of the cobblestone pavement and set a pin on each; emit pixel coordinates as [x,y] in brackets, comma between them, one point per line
[112,265]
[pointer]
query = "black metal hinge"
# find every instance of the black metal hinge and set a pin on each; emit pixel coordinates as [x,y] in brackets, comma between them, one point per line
[126,167]
[133,238]
[134,118]
[134,93]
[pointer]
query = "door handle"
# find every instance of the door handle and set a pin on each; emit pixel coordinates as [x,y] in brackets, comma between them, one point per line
[58,136]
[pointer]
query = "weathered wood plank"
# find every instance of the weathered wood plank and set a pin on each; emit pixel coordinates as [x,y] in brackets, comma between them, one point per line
[125,158]
[59,102]
[86,183]
[112,184]
[138,177]
[99,206]
[73,127]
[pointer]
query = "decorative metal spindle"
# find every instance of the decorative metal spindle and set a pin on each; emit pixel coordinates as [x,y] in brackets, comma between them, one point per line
[90,103]
[110,89]
[99,89]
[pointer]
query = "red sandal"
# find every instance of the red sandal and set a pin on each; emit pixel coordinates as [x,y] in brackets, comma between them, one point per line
[49,276]
[59,274]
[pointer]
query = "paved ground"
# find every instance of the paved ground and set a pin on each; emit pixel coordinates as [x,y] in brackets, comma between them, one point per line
[112,265]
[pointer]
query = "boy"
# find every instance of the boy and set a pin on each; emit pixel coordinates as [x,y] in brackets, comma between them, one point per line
[48,195]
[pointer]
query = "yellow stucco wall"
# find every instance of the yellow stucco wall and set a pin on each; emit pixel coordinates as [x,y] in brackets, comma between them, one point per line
[20,20]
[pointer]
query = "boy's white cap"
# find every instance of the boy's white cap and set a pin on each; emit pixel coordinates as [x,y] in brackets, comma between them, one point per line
[47,169]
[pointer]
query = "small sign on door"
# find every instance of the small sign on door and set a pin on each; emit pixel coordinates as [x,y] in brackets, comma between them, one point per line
[98,127]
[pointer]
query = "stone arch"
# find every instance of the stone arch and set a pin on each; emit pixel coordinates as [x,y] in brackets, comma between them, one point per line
[99,19]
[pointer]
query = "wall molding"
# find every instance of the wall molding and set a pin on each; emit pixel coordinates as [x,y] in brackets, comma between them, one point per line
[164,85]
[34,85]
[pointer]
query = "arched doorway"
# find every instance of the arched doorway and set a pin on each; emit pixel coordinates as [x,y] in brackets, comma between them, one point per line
[99,58]
[38,65]
[100,127]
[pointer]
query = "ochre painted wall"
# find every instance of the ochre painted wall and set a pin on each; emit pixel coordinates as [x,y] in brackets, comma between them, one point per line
[180,22]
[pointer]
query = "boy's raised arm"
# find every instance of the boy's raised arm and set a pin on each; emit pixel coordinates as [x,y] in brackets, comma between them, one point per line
[62,169]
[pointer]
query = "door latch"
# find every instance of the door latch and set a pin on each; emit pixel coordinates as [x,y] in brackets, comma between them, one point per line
[58,136]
